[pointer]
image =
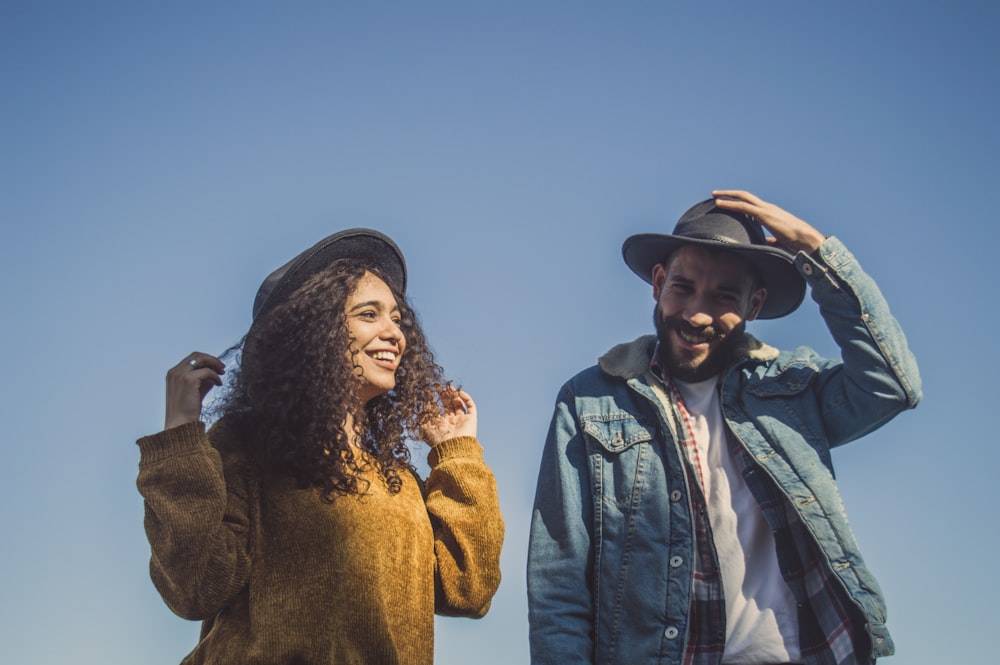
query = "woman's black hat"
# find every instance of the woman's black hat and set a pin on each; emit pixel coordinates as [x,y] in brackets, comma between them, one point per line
[371,247]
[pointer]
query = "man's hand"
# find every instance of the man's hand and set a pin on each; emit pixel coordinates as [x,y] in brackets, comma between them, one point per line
[788,230]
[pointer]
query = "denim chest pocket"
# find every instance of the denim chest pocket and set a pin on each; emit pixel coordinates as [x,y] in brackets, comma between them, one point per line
[618,433]
[792,380]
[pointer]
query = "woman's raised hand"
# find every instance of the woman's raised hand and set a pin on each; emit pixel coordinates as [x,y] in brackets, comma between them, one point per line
[187,384]
[458,417]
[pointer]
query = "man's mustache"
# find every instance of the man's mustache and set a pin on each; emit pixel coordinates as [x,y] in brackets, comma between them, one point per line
[706,333]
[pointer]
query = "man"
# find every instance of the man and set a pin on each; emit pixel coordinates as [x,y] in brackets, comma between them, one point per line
[686,509]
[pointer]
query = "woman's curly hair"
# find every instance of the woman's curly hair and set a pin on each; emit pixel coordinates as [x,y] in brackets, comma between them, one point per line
[297,387]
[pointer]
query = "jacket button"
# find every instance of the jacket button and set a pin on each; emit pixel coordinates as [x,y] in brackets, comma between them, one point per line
[671,633]
[676,562]
[675,496]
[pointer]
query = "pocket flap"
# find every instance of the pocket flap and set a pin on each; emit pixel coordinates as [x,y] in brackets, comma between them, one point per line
[616,433]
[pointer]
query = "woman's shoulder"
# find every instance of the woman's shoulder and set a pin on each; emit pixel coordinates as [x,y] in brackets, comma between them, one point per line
[224,435]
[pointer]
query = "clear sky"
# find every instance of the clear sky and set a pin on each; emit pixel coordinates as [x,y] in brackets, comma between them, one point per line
[158,159]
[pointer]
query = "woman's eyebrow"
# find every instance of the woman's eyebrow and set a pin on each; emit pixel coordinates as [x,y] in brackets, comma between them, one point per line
[377,304]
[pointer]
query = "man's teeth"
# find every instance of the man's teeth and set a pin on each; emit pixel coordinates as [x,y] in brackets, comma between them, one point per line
[694,338]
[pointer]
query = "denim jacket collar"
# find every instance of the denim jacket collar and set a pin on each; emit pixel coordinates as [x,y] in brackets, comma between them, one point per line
[631,359]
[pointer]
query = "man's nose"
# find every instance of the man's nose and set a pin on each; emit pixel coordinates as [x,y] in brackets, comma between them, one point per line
[697,313]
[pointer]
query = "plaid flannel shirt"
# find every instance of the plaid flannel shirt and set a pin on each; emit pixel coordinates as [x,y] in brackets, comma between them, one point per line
[830,631]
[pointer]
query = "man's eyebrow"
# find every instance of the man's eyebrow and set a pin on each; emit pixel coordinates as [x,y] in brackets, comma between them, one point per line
[734,287]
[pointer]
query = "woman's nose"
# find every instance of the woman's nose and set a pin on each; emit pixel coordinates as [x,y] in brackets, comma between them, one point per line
[391,330]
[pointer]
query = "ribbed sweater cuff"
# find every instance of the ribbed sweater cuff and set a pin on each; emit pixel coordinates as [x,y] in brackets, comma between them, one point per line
[460,446]
[180,440]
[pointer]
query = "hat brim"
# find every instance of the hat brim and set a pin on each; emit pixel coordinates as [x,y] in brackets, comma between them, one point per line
[786,288]
[369,246]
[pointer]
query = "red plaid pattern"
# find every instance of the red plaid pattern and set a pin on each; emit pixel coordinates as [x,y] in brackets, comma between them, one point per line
[830,630]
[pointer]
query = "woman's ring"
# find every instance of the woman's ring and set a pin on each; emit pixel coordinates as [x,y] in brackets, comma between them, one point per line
[193,363]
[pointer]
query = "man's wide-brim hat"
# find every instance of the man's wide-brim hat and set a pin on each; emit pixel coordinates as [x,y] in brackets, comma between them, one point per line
[372,248]
[709,226]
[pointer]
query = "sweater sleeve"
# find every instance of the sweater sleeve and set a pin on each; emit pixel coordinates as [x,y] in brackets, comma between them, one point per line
[196,519]
[461,499]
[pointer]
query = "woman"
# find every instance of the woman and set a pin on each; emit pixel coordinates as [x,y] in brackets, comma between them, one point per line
[296,529]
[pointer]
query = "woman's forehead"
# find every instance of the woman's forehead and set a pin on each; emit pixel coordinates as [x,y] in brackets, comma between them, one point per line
[372,288]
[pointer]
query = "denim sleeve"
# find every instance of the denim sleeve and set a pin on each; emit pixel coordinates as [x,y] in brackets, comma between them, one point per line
[878,377]
[560,556]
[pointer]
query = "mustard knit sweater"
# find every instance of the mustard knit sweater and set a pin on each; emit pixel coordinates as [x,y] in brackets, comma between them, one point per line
[279,577]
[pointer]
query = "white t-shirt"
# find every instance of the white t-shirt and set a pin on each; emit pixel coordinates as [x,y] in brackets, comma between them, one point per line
[761,615]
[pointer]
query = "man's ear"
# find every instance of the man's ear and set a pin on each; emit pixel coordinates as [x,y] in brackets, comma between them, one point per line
[659,279]
[757,299]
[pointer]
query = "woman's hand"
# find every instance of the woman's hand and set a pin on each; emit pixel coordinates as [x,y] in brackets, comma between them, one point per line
[187,384]
[458,417]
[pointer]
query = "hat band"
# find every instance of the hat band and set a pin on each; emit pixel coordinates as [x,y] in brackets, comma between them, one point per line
[707,236]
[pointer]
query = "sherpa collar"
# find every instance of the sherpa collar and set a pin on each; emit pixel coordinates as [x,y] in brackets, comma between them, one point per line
[631,359]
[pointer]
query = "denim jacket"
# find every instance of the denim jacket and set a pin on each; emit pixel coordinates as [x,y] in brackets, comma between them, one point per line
[609,576]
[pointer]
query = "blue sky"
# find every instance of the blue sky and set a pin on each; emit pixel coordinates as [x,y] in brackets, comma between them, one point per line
[158,159]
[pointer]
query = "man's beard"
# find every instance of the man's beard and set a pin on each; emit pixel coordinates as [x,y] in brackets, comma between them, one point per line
[693,370]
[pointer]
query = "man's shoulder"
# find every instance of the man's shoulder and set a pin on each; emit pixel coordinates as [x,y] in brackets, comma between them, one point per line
[614,368]
[770,371]
[753,351]
[628,360]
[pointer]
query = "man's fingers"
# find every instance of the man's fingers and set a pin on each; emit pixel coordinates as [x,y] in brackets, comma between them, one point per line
[740,196]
